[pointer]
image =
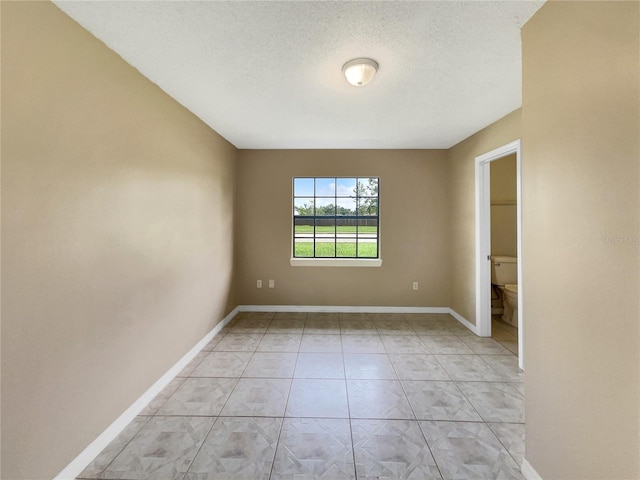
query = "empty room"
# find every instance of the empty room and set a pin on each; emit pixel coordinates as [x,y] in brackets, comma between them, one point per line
[320,240]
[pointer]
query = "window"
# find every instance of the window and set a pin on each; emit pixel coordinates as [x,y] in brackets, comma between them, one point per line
[336,218]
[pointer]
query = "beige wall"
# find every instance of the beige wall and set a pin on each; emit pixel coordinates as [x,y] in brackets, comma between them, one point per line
[581,215]
[117,248]
[413,226]
[504,211]
[461,185]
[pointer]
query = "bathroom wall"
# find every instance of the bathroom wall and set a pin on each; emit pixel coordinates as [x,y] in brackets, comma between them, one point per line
[117,237]
[504,215]
[581,221]
[414,219]
[461,185]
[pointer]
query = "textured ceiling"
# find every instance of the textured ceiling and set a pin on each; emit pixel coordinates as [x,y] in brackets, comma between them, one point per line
[269,74]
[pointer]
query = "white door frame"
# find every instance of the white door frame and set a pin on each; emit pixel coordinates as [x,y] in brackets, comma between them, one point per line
[483,239]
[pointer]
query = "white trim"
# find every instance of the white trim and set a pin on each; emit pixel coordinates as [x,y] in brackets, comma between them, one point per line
[483,240]
[340,308]
[463,321]
[335,262]
[483,247]
[528,471]
[81,462]
[520,256]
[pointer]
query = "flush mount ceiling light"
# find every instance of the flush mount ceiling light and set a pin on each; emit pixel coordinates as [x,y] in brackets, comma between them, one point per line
[360,71]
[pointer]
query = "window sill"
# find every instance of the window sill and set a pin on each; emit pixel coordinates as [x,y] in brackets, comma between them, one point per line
[336,262]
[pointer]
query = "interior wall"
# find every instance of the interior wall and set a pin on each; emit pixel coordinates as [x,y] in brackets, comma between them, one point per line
[504,207]
[413,229]
[461,187]
[581,221]
[117,248]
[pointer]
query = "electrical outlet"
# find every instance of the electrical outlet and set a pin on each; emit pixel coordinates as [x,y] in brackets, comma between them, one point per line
[415,285]
[272,284]
[259,284]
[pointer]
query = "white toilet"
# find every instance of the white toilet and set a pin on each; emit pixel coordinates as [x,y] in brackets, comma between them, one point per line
[504,275]
[511,304]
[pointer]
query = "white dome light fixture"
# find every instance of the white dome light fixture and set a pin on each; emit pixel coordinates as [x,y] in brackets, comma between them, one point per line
[360,71]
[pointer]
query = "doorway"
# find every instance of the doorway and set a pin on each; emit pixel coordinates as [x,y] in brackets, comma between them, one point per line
[483,239]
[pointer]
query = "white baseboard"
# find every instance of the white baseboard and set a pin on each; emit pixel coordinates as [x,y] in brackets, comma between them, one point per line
[340,309]
[81,462]
[528,471]
[462,320]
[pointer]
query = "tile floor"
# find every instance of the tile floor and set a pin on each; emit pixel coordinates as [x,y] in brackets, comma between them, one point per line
[333,396]
[504,333]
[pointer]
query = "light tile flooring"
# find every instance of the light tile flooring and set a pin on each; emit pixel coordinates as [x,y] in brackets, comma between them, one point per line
[333,396]
[504,333]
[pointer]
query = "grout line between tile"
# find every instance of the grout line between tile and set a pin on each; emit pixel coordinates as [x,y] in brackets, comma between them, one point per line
[204,440]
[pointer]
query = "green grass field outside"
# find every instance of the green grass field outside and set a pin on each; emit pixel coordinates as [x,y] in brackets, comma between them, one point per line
[339,229]
[328,249]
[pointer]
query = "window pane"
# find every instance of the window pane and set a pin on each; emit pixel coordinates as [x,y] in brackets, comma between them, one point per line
[345,225]
[367,206]
[367,248]
[325,206]
[368,228]
[303,248]
[346,206]
[303,227]
[303,206]
[346,248]
[325,187]
[346,187]
[303,187]
[368,187]
[325,227]
[325,248]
